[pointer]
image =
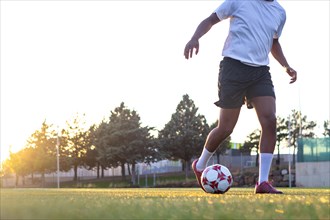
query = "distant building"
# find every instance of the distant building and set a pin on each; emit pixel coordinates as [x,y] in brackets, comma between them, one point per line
[313,165]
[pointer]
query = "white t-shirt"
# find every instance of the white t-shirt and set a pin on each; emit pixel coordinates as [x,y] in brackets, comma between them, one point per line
[253,26]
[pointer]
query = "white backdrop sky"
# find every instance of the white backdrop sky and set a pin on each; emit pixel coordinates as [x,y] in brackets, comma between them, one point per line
[59,58]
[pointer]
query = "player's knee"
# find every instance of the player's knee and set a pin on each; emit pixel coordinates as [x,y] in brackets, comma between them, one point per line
[268,122]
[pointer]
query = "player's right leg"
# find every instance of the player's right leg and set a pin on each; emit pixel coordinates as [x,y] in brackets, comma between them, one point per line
[231,95]
[227,121]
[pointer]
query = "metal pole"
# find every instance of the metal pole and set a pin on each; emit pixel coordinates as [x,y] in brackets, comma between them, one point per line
[154,179]
[300,119]
[289,145]
[289,168]
[241,171]
[58,160]
[138,174]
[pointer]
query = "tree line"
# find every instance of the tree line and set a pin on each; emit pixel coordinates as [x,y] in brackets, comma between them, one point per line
[121,141]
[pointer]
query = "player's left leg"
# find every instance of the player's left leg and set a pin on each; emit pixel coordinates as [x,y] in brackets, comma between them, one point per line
[265,108]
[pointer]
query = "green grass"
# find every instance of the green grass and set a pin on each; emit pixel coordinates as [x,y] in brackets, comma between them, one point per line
[169,180]
[163,203]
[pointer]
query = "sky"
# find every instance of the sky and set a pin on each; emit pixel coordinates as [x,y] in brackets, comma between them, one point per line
[62,58]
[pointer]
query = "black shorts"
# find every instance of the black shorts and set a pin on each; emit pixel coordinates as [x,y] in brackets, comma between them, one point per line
[238,83]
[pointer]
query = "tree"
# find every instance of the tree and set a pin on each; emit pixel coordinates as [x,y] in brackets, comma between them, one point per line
[6,169]
[20,163]
[326,126]
[102,148]
[77,142]
[38,155]
[252,142]
[64,155]
[184,135]
[142,149]
[298,127]
[42,145]
[281,134]
[92,158]
[125,141]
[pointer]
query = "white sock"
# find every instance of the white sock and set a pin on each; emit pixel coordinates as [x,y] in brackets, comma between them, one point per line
[203,159]
[265,163]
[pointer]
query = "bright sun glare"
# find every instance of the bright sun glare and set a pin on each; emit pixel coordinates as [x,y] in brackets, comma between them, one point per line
[59,58]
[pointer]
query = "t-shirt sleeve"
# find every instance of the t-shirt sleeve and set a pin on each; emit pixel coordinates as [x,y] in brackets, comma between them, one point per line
[280,27]
[226,9]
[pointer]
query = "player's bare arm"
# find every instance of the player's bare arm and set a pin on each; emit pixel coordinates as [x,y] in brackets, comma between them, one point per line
[202,29]
[279,56]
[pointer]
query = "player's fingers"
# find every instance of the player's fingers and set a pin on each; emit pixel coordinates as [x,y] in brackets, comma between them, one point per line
[191,52]
[293,74]
[293,77]
[186,52]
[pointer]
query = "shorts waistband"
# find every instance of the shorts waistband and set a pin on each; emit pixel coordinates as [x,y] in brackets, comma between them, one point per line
[241,62]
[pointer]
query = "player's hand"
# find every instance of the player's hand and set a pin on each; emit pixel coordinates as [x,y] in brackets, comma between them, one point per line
[189,49]
[291,73]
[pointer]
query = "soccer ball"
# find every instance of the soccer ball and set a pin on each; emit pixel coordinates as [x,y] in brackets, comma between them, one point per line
[216,179]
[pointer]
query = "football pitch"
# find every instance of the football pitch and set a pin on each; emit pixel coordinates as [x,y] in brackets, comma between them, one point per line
[163,203]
